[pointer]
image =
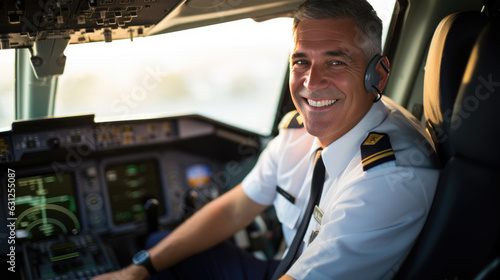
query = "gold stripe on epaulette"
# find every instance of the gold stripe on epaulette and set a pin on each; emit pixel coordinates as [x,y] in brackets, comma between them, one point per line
[377,156]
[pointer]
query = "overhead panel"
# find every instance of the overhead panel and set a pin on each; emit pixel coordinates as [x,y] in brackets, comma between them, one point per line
[24,22]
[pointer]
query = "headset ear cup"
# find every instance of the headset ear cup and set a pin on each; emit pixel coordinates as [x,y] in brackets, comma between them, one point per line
[372,78]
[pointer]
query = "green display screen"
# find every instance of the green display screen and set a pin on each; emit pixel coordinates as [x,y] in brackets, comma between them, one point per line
[129,186]
[46,206]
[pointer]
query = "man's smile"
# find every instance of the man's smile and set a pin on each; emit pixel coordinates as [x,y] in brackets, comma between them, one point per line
[320,103]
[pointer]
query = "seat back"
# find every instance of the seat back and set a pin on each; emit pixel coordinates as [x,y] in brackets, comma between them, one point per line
[461,234]
[448,54]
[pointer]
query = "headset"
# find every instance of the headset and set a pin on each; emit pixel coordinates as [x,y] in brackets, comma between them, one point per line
[372,77]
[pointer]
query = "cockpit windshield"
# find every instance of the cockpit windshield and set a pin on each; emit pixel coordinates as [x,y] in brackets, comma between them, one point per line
[7,83]
[227,72]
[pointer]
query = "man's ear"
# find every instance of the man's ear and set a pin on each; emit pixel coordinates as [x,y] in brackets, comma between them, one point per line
[376,74]
[383,69]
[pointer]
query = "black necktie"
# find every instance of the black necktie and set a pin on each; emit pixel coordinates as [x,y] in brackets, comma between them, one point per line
[318,179]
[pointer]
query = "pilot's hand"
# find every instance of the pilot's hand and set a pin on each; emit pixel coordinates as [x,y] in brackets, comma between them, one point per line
[131,272]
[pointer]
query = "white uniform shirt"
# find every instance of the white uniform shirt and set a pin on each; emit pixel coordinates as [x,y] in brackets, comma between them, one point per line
[370,218]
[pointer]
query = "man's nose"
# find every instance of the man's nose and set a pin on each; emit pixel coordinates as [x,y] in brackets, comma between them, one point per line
[315,78]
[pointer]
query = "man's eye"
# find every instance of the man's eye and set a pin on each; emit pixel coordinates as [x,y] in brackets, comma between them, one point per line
[299,65]
[337,63]
[300,62]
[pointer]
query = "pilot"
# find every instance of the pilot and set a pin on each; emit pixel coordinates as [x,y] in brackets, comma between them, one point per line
[351,175]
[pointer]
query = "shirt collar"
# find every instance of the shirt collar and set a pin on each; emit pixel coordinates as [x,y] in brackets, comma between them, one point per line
[338,154]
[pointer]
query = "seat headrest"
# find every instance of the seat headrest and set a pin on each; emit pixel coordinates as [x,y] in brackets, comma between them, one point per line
[475,122]
[447,57]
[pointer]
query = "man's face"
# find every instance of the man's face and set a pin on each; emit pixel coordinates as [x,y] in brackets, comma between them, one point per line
[327,77]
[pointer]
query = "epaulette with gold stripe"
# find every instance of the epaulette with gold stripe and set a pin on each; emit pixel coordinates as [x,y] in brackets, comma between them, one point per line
[292,120]
[376,149]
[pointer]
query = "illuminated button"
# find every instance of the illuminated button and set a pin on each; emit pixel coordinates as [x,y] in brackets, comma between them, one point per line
[3,146]
[76,138]
[91,172]
[31,144]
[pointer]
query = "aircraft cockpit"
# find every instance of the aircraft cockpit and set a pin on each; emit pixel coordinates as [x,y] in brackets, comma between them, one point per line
[119,118]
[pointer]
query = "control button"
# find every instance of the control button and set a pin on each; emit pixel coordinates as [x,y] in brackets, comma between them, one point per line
[96,219]
[76,138]
[94,201]
[31,144]
[54,143]
[91,172]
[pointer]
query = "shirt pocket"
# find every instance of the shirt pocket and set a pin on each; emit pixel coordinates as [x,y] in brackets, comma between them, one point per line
[288,213]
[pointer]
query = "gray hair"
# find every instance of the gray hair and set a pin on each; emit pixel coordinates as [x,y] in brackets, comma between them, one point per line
[367,22]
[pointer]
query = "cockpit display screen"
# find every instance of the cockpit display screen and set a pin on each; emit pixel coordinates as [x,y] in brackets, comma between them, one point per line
[47,206]
[129,186]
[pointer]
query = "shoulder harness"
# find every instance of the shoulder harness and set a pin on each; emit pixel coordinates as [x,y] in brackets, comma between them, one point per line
[375,150]
[292,120]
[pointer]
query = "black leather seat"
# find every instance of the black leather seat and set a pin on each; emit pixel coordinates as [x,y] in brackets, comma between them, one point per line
[446,60]
[461,235]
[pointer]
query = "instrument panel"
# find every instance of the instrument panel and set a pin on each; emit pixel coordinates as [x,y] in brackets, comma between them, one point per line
[73,176]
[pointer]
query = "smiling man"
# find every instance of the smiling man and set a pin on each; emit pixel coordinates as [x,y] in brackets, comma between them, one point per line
[327,73]
[351,211]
